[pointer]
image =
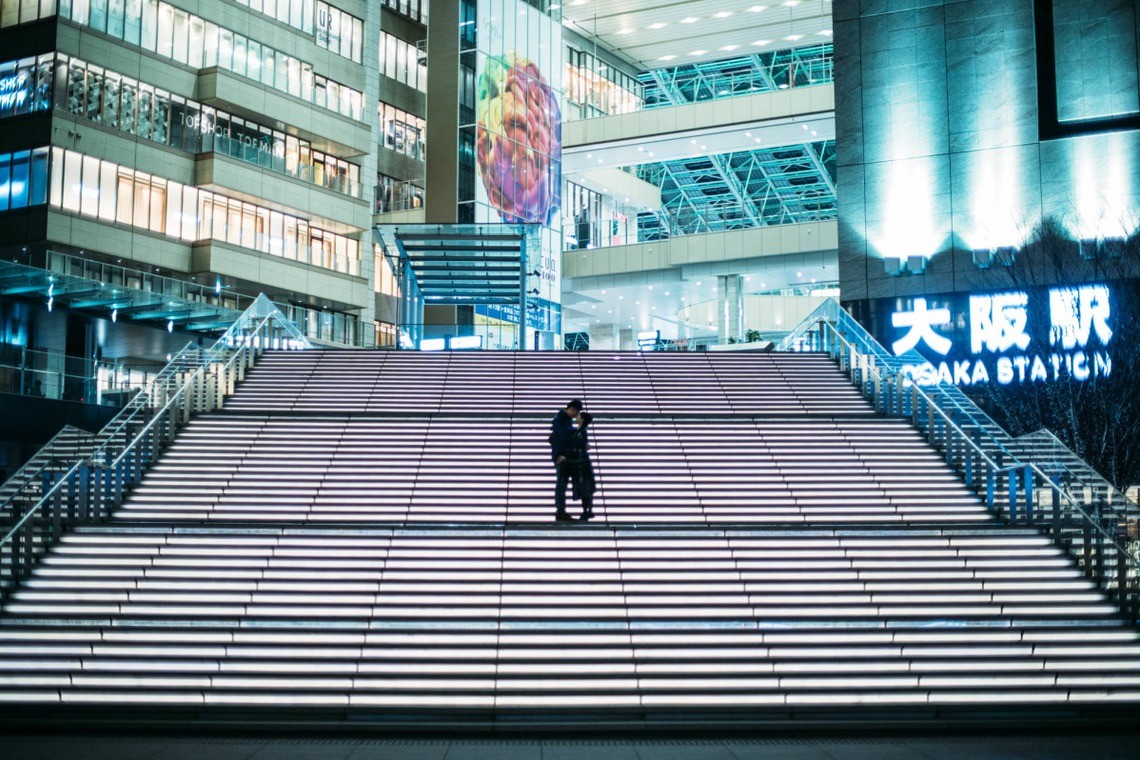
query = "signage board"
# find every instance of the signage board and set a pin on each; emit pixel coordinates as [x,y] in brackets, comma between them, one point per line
[1011,337]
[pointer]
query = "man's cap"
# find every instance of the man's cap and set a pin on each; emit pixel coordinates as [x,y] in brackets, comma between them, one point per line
[574,404]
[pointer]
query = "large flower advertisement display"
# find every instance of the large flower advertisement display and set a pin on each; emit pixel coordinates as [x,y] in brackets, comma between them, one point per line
[518,140]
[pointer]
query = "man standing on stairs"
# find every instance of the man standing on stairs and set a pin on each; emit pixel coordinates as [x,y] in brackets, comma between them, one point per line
[569,448]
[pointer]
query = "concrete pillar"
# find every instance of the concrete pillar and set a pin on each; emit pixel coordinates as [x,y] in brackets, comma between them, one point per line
[604,337]
[627,340]
[730,307]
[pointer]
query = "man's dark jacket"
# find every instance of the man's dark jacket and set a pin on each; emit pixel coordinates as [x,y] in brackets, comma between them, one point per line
[561,435]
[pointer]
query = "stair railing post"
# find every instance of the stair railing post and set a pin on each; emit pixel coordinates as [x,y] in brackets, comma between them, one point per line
[1087,549]
[1119,546]
[1027,477]
[98,491]
[929,421]
[1099,559]
[219,372]
[968,463]
[209,388]
[1057,522]
[116,486]
[84,506]
[1012,475]
[879,392]
[991,484]
[201,390]
[73,496]
[28,541]
[55,507]
[948,427]
[185,405]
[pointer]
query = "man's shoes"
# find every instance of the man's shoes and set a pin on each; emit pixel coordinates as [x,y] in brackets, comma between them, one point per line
[585,516]
[562,517]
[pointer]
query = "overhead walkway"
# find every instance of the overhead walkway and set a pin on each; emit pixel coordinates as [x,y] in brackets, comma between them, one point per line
[808,245]
[668,133]
[365,539]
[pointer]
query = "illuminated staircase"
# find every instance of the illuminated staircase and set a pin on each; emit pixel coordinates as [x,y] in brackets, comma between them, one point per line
[366,538]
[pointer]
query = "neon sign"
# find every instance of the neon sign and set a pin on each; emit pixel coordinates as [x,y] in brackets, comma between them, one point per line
[921,322]
[1005,346]
[14,91]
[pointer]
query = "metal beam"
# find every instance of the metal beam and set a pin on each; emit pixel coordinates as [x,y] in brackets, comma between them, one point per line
[667,87]
[821,168]
[733,184]
[759,67]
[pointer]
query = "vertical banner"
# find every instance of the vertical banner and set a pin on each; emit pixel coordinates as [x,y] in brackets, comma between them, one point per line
[518,139]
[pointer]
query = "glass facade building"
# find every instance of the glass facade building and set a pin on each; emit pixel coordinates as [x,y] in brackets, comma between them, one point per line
[216,150]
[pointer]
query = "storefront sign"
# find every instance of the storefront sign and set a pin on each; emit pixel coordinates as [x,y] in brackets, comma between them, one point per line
[1071,338]
[15,89]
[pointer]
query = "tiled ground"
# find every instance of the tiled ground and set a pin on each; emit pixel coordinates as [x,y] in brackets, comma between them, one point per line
[956,747]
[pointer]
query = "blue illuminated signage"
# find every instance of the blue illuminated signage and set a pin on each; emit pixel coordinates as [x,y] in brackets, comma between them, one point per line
[1071,338]
[920,324]
[15,89]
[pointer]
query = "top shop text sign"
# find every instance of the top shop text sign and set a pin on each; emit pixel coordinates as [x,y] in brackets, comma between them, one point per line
[1010,337]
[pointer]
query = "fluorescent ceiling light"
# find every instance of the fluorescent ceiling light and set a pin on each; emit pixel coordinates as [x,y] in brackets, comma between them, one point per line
[826,32]
[762,43]
[757,8]
[723,14]
[658,25]
[666,57]
[794,37]
[690,20]
[698,52]
[730,47]
[625,31]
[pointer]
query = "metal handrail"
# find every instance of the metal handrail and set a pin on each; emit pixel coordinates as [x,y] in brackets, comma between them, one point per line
[1092,532]
[993,435]
[139,402]
[189,357]
[47,454]
[1080,474]
[95,484]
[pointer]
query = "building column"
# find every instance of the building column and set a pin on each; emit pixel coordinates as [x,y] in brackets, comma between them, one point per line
[605,337]
[729,307]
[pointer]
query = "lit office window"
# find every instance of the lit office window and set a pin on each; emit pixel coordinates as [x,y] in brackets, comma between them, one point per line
[340,32]
[14,12]
[593,88]
[193,41]
[403,132]
[23,179]
[400,60]
[109,98]
[25,85]
[296,13]
[102,189]
[397,195]
[413,9]
[385,334]
[386,281]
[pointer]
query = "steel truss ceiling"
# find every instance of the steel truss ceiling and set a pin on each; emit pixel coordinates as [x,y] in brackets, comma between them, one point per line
[760,72]
[767,186]
[783,185]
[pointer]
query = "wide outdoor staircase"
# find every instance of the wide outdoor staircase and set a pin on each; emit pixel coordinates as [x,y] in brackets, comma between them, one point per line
[366,539]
